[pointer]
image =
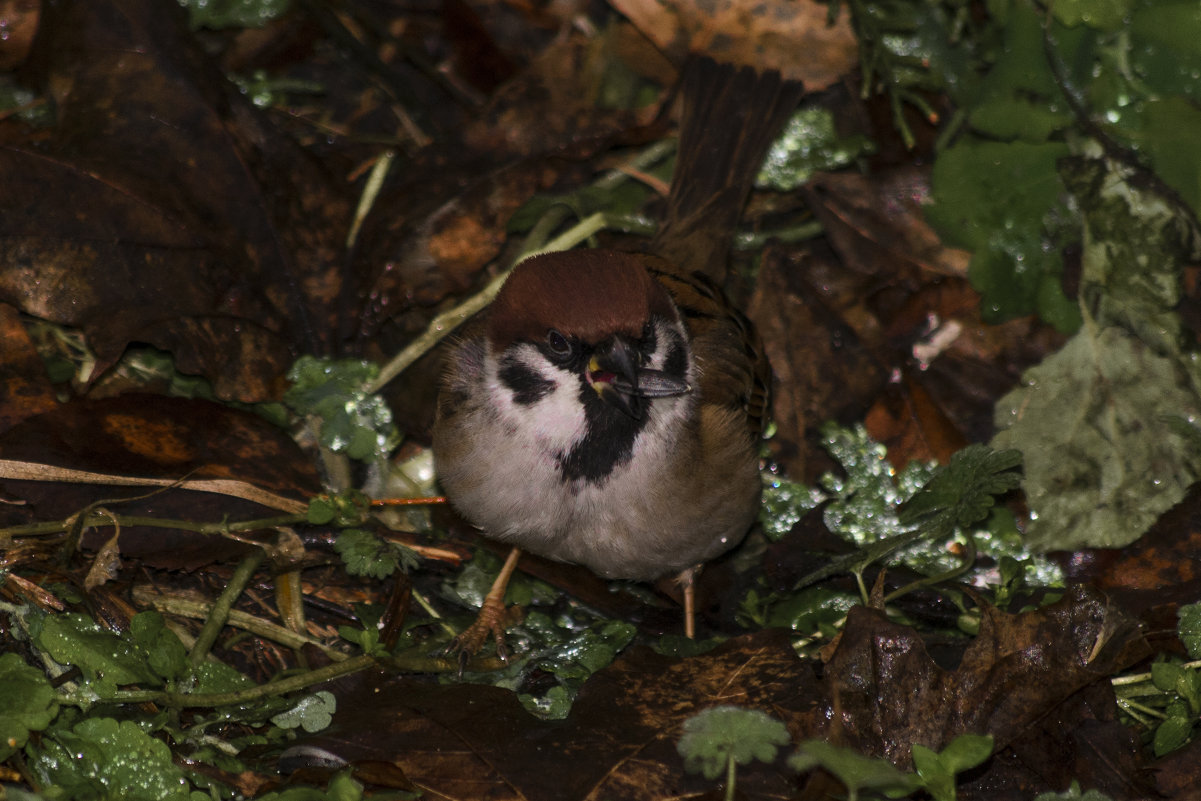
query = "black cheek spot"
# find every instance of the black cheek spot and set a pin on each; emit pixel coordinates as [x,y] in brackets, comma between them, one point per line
[528,387]
[676,363]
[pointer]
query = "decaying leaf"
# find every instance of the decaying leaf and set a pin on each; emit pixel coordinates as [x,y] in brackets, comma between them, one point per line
[1102,460]
[795,37]
[163,207]
[887,693]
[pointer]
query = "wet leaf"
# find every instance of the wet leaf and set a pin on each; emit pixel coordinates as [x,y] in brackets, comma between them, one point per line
[992,198]
[722,735]
[103,657]
[158,437]
[854,770]
[890,694]
[101,758]
[1100,463]
[1190,628]
[227,265]
[28,702]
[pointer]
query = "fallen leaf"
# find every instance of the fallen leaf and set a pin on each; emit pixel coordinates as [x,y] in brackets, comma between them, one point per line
[163,208]
[25,390]
[794,37]
[887,693]
[158,437]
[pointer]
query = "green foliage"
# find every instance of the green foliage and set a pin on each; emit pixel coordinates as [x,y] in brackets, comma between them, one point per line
[164,653]
[366,554]
[469,586]
[1183,686]
[1134,281]
[1189,629]
[1105,15]
[366,637]
[105,660]
[856,771]
[722,737]
[909,49]
[349,508]
[233,13]
[1101,461]
[1167,701]
[573,661]
[1000,200]
[83,752]
[218,677]
[1099,422]
[342,787]
[907,517]
[312,713]
[862,504]
[1065,79]
[1073,793]
[937,769]
[913,513]
[808,144]
[350,420]
[102,759]
[963,493]
[813,609]
[1012,580]
[784,504]
[27,703]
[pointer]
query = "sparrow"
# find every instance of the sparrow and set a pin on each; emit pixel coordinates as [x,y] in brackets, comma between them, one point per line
[605,411]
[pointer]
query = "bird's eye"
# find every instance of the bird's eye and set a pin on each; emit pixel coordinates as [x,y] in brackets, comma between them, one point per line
[559,345]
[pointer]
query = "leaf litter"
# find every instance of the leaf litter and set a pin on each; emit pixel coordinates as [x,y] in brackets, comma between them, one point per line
[237,266]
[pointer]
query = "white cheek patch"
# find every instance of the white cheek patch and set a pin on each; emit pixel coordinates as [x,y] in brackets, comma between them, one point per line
[556,420]
[671,339]
[664,412]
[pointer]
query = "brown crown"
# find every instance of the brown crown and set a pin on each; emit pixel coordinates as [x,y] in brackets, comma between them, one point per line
[590,294]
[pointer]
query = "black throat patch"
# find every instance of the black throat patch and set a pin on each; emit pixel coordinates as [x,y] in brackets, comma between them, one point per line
[608,444]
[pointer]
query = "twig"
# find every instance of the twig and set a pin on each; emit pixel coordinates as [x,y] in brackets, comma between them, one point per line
[97,520]
[36,471]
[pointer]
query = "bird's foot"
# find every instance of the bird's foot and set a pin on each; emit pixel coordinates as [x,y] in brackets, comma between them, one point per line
[493,619]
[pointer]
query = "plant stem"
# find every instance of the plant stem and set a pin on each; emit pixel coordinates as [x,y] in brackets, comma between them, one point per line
[730,766]
[225,601]
[96,521]
[185,607]
[271,688]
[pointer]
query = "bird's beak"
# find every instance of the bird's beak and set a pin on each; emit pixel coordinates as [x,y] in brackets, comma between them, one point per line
[614,373]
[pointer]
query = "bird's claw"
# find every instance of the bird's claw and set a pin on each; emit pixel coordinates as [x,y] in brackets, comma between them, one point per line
[490,620]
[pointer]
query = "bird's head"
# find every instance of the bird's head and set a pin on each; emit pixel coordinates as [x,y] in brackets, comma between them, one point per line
[591,319]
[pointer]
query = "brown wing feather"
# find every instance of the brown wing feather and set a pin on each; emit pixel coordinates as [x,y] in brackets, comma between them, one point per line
[734,370]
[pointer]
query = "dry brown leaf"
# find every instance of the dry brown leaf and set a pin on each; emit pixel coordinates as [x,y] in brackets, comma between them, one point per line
[791,36]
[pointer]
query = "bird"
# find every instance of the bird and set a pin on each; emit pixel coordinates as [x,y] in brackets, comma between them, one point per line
[606,412]
[607,409]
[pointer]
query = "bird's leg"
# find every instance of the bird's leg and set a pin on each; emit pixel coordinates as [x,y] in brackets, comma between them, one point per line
[490,620]
[687,579]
